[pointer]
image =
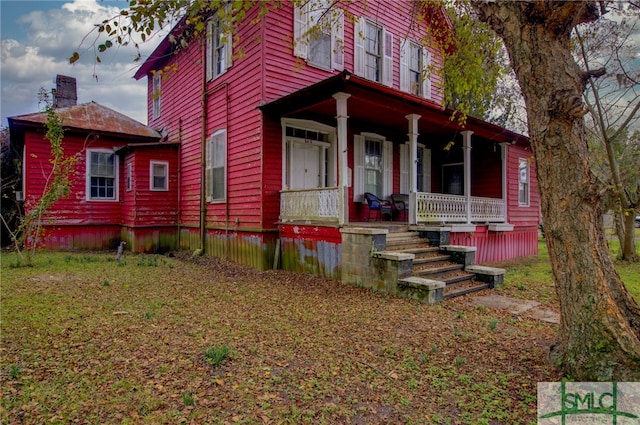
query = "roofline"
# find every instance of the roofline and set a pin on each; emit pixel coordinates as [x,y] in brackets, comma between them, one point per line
[345,78]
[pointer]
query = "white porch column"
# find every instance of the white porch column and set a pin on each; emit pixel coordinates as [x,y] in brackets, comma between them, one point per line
[413,161]
[343,171]
[466,147]
[503,157]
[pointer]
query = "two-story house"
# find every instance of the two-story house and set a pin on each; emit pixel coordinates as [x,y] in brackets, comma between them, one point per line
[267,138]
[287,122]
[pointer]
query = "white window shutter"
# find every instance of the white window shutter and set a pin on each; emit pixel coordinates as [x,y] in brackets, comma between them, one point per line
[358,168]
[404,168]
[404,67]
[209,53]
[387,60]
[300,30]
[387,175]
[337,41]
[426,170]
[359,28]
[426,73]
[228,40]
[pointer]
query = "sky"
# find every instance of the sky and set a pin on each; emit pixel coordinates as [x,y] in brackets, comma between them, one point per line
[37,39]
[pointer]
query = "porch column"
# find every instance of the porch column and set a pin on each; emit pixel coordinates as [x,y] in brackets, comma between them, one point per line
[413,161]
[343,171]
[466,147]
[503,158]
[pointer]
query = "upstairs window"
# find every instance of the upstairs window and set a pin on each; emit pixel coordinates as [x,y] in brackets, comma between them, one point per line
[216,165]
[102,180]
[159,175]
[523,182]
[414,73]
[373,52]
[218,48]
[156,94]
[319,34]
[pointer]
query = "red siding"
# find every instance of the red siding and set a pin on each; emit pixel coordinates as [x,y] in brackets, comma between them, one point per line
[75,209]
[499,246]
[516,214]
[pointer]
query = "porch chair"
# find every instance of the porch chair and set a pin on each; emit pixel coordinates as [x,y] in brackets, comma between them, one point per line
[400,203]
[376,204]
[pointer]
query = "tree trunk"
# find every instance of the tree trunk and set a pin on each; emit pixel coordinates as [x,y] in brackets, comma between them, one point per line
[598,337]
[627,245]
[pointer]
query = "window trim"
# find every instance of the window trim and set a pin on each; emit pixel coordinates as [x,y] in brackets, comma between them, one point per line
[116,177]
[152,187]
[302,22]
[156,95]
[405,73]
[386,51]
[209,166]
[527,182]
[226,38]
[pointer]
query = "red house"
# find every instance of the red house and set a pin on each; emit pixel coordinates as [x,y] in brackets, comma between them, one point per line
[272,137]
[282,133]
[125,182]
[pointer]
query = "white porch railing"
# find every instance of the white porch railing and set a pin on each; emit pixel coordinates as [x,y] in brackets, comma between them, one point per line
[320,204]
[440,207]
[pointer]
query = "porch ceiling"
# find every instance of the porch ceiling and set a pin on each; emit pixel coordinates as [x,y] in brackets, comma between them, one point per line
[381,106]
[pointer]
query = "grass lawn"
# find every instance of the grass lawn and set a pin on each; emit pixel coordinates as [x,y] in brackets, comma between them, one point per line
[165,340]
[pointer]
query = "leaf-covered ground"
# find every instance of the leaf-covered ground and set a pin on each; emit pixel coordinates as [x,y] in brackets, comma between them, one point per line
[88,340]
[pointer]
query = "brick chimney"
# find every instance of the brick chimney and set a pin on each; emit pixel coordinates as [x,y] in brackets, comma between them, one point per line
[65,93]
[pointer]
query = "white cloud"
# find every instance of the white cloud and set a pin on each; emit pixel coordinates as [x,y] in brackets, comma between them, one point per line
[50,40]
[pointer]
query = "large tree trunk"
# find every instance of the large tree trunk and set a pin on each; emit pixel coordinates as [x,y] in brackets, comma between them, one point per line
[599,331]
[627,243]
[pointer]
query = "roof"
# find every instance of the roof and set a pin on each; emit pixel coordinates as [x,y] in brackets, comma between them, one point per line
[91,117]
[373,102]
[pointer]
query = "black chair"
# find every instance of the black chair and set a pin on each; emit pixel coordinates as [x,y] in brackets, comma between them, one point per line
[400,203]
[376,204]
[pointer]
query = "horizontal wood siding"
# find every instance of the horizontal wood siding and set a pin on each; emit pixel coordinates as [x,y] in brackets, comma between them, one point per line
[272,175]
[486,170]
[74,209]
[521,215]
[181,117]
[499,246]
[154,208]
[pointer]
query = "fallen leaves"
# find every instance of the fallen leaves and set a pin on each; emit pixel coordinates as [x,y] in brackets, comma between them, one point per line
[305,349]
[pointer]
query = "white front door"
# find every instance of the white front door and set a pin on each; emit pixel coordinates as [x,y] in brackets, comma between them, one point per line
[306,161]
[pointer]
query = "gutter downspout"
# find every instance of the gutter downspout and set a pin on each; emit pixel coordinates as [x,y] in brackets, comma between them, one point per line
[179,212]
[203,151]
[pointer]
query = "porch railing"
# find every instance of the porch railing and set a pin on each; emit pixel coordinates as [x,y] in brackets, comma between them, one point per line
[320,204]
[440,207]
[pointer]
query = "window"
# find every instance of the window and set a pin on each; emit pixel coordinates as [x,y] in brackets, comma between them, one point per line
[319,34]
[102,176]
[373,52]
[373,166]
[523,182]
[218,49]
[159,175]
[156,94]
[216,163]
[128,178]
[423,169]
[414,69]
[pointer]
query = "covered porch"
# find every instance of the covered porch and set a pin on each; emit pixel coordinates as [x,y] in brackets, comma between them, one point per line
[449,173]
